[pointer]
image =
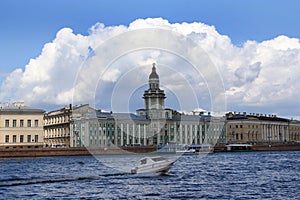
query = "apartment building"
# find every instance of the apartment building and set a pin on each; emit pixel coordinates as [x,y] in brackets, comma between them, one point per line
[20,126]
[57,125]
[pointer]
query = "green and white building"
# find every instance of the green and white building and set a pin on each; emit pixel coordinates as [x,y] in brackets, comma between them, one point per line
[149,126]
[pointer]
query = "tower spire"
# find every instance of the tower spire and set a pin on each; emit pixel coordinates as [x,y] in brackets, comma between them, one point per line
[154,97]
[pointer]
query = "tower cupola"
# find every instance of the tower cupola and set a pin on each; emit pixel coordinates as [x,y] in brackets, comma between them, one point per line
[153,79]
[154,97]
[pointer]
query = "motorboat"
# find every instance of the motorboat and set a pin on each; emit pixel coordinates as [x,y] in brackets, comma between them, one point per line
[156,164]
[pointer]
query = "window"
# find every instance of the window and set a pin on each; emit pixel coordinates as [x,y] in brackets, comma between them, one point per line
[236,126]
[28,123]
[7,139]
[14,138]
[14,123]
[241,126]
[7,123]
[28,138]
[21,138]
[22,123]
[36,138]
[36,123]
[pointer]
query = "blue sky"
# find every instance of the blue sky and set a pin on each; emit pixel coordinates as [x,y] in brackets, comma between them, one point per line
[27,25]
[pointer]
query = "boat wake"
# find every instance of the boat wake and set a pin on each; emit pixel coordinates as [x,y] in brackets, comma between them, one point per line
[30,181]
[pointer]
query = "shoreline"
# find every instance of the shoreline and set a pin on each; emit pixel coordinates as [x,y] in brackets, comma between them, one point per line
[44,152]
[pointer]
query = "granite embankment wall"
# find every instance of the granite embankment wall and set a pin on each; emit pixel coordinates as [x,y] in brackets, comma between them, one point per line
[264,147]
[276,147]
[40,152]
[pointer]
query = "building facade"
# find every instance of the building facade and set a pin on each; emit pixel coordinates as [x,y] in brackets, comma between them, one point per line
[119,129]
[57,125]
[155,124]
[294,131]
[21,126]
[258,128]
[152,125]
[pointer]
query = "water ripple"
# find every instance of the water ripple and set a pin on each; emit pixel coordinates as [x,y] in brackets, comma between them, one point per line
[251,175]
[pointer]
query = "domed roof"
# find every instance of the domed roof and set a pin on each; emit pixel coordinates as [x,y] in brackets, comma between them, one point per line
[153,74]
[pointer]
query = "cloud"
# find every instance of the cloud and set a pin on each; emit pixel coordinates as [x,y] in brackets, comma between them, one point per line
[256,75]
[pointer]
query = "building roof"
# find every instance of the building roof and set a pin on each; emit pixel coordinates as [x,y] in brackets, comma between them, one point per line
[19,110]
[245,116]
[186,118]
[127,116]
[193,118]
[153,74]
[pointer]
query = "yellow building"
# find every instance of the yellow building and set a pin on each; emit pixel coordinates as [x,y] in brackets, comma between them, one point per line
[244,128]
[20,126]
[294,130]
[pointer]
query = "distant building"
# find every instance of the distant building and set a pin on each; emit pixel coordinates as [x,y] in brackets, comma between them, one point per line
[150,126]
[259,128]
[20,126]
[294,131]
[57,125]
[155,124]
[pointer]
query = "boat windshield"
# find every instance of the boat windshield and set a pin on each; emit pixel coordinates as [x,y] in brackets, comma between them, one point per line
[143,161]
[158,159]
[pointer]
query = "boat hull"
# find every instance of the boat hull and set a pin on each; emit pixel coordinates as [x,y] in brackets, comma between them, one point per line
[154,168]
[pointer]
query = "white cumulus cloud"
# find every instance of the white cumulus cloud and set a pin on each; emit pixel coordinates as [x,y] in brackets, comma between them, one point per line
[257,76]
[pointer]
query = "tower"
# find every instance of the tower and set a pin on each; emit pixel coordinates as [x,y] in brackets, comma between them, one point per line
[154,97]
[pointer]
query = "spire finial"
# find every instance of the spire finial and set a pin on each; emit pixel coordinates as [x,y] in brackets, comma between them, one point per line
[153,73]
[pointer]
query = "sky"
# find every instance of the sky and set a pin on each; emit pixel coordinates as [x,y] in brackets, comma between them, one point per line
[256,48]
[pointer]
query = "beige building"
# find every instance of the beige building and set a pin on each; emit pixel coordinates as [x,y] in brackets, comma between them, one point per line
[57,125]
[20,126]
[259,128]
[294,131]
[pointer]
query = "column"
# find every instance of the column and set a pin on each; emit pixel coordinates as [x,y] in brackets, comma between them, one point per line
[200,133]
[145,135]
[127,133]
[139,133]
[180,134]
[191,134]
[185,134]
[122,135]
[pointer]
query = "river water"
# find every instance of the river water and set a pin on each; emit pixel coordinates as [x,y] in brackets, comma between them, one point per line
[243,175]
